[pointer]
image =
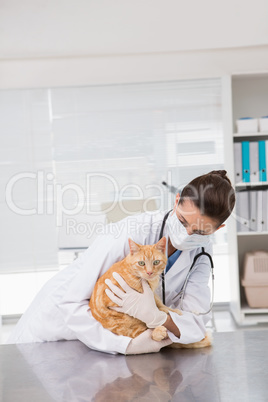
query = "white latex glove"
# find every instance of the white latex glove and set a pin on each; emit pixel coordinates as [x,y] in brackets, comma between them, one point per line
[135,304]
[145,344]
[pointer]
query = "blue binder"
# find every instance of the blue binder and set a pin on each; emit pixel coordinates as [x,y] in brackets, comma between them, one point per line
[262,161]
[245,162]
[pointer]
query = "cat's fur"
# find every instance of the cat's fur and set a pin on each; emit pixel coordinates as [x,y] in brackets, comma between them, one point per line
[132,273]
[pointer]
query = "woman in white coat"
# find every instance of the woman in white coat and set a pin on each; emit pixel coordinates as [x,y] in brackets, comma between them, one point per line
[60,310]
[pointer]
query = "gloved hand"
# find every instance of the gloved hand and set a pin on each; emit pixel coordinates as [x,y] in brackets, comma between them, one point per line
[135,304]
[144,344]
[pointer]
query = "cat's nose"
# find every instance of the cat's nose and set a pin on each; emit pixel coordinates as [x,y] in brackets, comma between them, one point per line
[149,273]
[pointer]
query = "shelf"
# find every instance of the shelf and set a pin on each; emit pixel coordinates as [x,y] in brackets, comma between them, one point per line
[258,134]
[254,316]
[248,310]
[252,233]
[252,184]
[248,97]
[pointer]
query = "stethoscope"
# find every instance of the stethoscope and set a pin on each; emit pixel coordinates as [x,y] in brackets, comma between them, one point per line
[181,294]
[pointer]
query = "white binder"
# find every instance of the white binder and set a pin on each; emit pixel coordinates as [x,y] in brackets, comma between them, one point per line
[242,211]
[238,161]
[254,161]
[253,211]
[237,214]
[264,210]
[260,222]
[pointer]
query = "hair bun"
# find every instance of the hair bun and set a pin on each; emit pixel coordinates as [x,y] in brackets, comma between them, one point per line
[222,174]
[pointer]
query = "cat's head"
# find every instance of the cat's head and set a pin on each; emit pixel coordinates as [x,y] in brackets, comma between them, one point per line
[147,261]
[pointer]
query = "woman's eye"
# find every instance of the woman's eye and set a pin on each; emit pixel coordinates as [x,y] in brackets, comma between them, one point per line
[156,262]
[183,223]
[141,263]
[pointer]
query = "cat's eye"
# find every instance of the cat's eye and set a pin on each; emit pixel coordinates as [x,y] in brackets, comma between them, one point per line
[156,262]
[141,263]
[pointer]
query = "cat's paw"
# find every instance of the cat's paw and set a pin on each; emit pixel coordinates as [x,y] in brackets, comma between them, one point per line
[159,333]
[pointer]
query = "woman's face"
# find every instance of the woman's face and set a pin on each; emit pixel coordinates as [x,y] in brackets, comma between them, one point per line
[190,217]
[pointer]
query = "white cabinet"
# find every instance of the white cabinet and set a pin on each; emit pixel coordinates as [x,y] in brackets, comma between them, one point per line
[245,96]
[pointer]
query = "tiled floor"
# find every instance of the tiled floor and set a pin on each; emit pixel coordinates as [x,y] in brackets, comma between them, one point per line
[222,322]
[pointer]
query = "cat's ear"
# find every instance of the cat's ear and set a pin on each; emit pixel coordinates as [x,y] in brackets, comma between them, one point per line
[161,245]
[134,247]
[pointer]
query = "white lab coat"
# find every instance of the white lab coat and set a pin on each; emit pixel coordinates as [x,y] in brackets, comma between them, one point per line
[60,310]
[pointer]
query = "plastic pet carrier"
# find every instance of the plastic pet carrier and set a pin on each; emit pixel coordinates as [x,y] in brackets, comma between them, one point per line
[255,279]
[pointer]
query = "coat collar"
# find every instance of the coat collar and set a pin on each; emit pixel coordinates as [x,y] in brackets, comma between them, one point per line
[182,262]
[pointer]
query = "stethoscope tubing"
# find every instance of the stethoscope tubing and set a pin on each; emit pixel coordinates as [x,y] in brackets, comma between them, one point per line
[192,267]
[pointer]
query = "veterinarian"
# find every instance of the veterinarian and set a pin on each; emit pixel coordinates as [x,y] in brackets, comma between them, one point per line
[60,310]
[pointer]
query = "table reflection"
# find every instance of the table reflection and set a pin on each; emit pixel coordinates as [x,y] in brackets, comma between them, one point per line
[69,371]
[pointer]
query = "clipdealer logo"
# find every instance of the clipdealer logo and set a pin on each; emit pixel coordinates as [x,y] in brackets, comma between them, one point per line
[48,197]
[73,205]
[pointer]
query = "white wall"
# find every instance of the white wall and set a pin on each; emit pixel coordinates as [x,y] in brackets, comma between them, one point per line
[38,28]
[84,42]
[80,71]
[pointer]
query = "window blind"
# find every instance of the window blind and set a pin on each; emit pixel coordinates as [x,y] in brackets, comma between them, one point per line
[88,146]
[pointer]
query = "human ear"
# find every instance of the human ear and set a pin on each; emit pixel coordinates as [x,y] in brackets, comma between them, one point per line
[176,202]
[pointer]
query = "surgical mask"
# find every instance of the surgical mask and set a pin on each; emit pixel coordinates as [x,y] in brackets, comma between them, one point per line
[179,237]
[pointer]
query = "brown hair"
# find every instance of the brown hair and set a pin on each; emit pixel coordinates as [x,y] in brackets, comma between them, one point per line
[212,194]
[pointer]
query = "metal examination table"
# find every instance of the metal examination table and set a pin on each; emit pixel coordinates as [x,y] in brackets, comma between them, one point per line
[234,369]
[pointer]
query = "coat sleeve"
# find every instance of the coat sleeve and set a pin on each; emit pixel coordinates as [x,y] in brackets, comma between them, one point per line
[197,299]
[74,295]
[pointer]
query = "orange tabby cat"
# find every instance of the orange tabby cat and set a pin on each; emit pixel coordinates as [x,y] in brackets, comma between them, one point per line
[145,262]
